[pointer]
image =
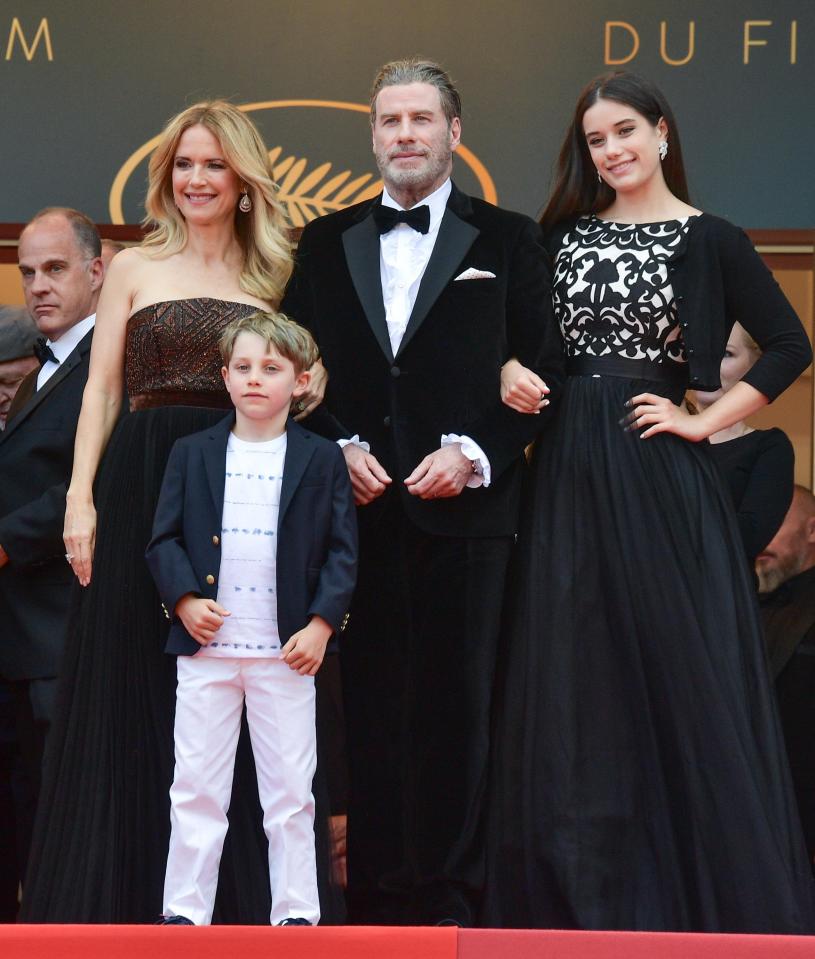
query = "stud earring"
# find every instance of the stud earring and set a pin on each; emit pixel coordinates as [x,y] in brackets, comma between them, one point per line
[245,204]
[663,149]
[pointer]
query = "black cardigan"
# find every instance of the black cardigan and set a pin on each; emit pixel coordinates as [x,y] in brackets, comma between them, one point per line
[718,279]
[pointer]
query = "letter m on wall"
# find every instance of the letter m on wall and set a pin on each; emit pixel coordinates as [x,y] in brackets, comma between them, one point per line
[42,34]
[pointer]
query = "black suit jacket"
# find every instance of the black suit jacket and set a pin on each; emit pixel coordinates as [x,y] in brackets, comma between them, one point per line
[36,457]
[446,375]
[316,530]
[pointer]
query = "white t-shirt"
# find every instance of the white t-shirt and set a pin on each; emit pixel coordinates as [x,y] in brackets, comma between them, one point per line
[247,584]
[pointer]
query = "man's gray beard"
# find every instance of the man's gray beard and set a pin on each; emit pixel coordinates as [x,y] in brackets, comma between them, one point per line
[771,577]
[415,179]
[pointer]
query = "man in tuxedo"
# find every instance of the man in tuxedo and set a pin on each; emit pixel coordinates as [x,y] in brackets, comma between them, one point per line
[786,573]
[61,270]
[416,299]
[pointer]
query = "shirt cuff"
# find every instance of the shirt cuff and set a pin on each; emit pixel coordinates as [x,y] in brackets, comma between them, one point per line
[356,441]
[481,465]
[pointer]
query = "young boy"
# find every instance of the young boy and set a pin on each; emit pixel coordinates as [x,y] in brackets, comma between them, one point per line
[254,554]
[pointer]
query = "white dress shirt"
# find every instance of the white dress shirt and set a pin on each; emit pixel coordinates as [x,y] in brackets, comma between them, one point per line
[63,347]
[403,257]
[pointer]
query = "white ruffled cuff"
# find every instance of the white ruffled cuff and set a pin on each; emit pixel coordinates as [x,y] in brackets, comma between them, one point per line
[481,465]
[356,441]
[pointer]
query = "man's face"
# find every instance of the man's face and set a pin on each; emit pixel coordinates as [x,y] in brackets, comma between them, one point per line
[792,549]
[412,141]
[11,375]
[59,280]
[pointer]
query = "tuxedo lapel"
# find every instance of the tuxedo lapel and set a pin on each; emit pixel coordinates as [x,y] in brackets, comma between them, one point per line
[455,237]
[299,450]
[66,367]
[214,454]
[361,245]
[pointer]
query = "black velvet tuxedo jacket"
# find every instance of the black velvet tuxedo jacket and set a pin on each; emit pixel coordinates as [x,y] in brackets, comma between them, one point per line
[316,530]
[36,457]
[445,377]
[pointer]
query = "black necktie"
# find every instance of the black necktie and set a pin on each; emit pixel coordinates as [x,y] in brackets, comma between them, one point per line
[386,218]
[43,351]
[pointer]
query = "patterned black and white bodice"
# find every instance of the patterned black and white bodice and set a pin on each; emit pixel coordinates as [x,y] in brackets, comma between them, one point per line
[612,290]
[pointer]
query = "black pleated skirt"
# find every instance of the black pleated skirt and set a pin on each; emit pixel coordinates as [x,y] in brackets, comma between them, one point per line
[102,831]
[639,775]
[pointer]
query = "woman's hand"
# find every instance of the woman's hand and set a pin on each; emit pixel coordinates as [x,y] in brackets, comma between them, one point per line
[660,415]
[311,399]
[521,389]
[79,536]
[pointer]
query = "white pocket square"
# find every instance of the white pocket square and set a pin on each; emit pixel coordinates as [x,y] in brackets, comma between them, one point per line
[473,274]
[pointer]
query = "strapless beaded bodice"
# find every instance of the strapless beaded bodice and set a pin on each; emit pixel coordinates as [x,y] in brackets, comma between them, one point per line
[171,353]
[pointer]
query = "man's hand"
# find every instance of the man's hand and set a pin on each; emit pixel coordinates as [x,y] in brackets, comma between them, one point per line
[368,478]
[442,473]
[3,557]
[202,618]
[308,402]
[305,650]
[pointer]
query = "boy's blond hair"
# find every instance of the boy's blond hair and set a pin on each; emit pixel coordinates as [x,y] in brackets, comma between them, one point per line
[286,337]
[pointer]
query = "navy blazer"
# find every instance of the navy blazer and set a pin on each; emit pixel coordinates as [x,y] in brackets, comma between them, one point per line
[316,530]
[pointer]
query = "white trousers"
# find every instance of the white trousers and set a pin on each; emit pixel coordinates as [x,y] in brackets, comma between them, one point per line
[281,714]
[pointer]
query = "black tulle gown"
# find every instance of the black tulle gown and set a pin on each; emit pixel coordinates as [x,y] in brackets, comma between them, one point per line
[102,830]
[640,779]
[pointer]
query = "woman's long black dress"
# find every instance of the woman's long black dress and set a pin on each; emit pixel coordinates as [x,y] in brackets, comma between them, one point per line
[100,843]
[640,778]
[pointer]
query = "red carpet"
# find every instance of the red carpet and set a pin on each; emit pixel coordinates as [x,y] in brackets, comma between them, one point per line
[255,942]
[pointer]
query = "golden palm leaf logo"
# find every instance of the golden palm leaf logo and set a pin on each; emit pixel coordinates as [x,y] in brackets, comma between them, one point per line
[307,195]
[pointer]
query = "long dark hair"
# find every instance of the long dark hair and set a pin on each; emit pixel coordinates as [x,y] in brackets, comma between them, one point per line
[577,190]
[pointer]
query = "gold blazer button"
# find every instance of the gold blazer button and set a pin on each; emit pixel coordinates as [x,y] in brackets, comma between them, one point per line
[210,578]
[216,541]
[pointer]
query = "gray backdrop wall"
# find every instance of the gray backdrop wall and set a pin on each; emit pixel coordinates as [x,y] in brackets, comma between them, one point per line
[86,85]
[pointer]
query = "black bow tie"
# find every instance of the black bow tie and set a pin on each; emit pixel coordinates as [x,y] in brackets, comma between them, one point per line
[43,351]
[386,218]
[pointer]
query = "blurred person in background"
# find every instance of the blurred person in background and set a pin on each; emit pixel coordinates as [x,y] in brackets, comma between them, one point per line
[109,249]
[786,574]
[18,334]
[758,465]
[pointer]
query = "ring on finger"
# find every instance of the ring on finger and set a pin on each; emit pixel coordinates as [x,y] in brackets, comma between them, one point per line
[69,556]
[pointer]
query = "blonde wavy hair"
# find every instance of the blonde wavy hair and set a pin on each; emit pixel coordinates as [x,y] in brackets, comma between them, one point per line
[262,233]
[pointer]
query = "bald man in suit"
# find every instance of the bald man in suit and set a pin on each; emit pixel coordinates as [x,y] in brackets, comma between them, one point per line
[61,271]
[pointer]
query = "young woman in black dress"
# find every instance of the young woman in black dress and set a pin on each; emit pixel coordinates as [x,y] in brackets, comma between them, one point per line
[639,771]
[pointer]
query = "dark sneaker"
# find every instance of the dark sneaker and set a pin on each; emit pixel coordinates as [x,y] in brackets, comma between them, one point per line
[294,922]
[173,921]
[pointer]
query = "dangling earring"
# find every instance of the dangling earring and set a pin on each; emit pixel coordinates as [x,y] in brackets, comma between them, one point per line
[245,204]
[599,178]
[663,149]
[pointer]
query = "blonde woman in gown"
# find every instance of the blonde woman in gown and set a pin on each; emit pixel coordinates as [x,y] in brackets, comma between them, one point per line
[218,249]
